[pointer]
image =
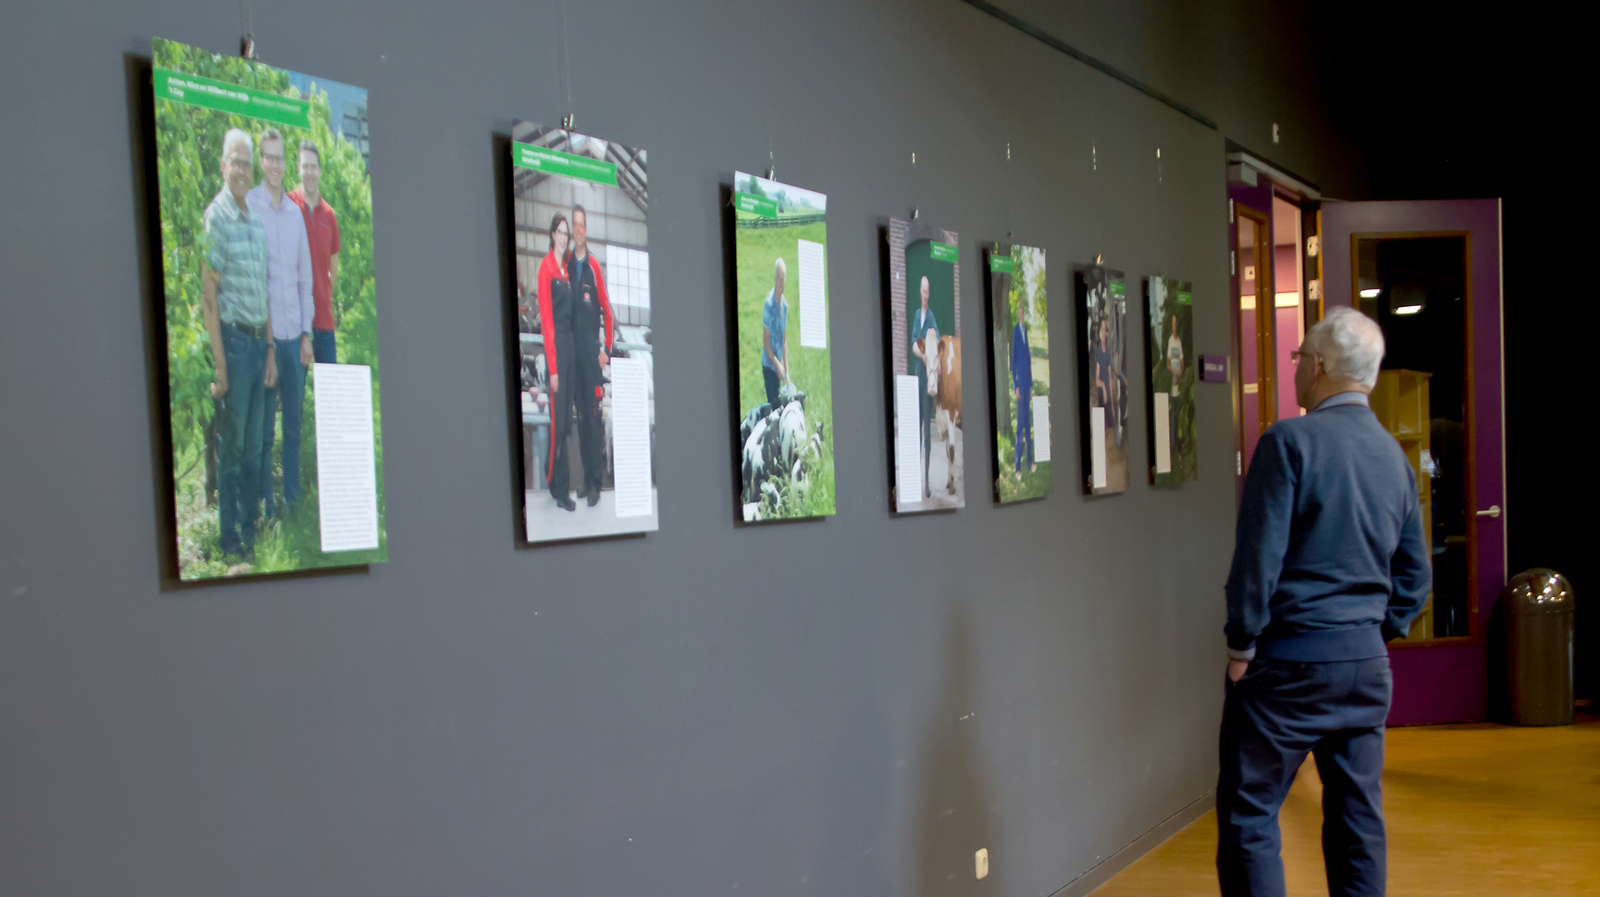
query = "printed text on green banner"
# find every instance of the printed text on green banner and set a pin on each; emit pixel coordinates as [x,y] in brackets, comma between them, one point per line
[181,87]
[755,205]
[553,162]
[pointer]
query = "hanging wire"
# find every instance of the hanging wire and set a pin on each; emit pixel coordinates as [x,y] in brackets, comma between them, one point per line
[564,58]
[771,80]
[247,46]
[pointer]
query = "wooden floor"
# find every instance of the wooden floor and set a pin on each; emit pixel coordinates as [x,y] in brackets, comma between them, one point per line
[1472,809]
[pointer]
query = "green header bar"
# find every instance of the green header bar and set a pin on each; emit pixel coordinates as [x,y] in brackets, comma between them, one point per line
[1185,298]
[1002,264]
[1118,289]
[941,252]
[181,87]
[567,165]
[755,205]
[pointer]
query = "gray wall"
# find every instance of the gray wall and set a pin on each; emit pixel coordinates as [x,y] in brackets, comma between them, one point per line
[833,708]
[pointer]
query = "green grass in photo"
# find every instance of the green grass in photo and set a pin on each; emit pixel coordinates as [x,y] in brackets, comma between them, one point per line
[755,251]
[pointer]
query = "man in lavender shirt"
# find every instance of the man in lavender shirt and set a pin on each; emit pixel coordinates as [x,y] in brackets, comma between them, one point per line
[292,309]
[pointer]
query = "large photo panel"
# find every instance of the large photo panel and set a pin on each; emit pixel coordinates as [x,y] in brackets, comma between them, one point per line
[1103,392]
[784,465]
[1169,339]
[923,305]
[587,371]
[1020,372]
[272,358]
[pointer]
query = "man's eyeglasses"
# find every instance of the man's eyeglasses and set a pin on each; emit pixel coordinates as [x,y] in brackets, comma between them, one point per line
[1298,354]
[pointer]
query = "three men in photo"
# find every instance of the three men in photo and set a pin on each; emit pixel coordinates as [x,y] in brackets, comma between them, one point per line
[289,297]
[925,346]
[264,292]
[234,302]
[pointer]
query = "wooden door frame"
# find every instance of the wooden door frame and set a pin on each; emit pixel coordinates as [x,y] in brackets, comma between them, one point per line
[1266,325]
[1469,426]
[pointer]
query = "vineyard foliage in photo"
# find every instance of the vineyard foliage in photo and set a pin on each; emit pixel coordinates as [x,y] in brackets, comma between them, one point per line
[188,153]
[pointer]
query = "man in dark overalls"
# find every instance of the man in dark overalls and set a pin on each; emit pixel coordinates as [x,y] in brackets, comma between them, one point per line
[590,308]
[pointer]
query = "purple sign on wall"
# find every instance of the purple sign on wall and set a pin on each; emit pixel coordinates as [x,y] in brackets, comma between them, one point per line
[1214,368]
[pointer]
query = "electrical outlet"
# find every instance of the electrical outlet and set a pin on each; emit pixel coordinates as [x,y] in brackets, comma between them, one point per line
[982,862]
[1274,132]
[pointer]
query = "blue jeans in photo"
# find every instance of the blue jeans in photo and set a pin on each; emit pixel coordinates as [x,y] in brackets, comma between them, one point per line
[241,412]
[770,378]
[291,389]
[1023,447]
[324,347]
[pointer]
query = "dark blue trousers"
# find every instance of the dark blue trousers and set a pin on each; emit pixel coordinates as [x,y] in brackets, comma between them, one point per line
[241,410]
[324,347]
[292,389]
[1272,717]
[1023,448]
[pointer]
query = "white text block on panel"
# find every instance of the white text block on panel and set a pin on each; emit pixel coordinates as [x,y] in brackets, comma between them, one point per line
[907,440]
[1040,416]
[347,481]
[813,295]
[630,436]
[1097,448]
[1163,434]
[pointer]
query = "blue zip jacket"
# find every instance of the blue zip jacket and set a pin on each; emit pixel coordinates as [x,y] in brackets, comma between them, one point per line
[1329,559]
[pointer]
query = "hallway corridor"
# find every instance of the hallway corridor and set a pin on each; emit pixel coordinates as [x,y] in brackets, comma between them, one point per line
[1472,810]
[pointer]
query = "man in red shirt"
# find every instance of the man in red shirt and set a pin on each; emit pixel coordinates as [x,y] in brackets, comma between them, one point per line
[322,231]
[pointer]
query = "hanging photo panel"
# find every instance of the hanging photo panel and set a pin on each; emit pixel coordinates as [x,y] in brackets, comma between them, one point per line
[271,316]
[1020,372]
[784,388]
[587,371]
[1103,378]
[1169,339]
[923,310]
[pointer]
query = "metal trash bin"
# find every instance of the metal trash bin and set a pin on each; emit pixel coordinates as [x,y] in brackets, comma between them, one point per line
[1538,606]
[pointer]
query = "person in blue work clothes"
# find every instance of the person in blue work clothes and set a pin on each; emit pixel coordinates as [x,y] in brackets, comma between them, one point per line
[1022,388]
[925,345]
[1329,564]
[775,334]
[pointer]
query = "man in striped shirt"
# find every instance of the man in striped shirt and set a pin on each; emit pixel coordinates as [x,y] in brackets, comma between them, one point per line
[233,296]
[292,308]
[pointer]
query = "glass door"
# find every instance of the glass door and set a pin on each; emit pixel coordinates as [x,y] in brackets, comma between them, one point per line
[1429,274]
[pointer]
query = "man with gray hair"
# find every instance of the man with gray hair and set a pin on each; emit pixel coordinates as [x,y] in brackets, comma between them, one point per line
[233,300]
[1329,564]
[775,335]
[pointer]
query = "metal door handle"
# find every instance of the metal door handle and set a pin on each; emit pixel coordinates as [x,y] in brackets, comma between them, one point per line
[1494,511]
